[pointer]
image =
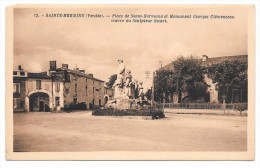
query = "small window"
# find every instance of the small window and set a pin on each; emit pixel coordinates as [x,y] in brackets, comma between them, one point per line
[22,73]
[38,84]
[16,87]
[14,72]
[67,91]
[75,100]
[57,101]
[57,87]
[76,88]
[86,90]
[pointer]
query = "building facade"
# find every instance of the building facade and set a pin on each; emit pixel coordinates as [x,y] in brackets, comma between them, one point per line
[57,89]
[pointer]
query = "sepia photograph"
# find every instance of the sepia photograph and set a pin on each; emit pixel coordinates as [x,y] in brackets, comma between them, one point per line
[130,82]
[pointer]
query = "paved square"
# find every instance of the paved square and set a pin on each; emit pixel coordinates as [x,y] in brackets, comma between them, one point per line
[80,131]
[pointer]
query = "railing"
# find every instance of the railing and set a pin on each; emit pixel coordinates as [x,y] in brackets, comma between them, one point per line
[238,106]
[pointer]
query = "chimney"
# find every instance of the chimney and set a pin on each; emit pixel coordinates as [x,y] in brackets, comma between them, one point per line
[52,65]
[65,66]
[19,67]
[204,57]
[82,71]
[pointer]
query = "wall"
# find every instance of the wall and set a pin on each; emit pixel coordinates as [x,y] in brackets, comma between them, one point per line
[21,95]
[82,95]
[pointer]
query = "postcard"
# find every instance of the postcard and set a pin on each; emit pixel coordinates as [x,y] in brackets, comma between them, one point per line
[130,82]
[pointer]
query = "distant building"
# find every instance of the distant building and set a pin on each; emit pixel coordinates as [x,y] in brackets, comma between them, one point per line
[57,89]
[108,94]
[213,88]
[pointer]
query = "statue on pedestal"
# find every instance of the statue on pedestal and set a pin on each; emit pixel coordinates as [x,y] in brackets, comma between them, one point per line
[128,94]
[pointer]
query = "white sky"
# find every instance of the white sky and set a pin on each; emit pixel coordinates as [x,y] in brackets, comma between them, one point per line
[96,44]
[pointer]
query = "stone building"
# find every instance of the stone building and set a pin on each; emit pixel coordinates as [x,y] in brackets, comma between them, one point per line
[75,88]
[57,89]
[31,91]
[213,89]
[19,89]
[38,92]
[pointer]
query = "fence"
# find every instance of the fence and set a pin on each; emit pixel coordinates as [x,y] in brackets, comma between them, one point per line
[238,106]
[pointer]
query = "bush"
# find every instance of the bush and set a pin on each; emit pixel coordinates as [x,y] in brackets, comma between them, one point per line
[129,112]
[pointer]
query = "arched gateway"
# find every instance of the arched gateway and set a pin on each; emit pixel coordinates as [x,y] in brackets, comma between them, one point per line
[39,101]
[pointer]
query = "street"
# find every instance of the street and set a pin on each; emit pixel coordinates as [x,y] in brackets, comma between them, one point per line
[80,131]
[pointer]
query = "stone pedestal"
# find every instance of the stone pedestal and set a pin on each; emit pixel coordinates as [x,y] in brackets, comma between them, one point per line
[122,104]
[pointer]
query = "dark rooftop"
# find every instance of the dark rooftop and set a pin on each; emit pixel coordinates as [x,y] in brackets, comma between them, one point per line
[213,60]
[38,75]
[84,75]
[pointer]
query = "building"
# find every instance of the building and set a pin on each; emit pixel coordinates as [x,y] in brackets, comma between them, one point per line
[38,92]
[214,94]
[75,88]
[57,89]
[19,89]
[108,94]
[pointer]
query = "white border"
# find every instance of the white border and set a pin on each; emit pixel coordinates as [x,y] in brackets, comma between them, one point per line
[185,164]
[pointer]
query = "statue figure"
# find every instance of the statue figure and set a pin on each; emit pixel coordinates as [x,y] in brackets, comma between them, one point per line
[120,74]
[128,84]
[140,91]
[136,88]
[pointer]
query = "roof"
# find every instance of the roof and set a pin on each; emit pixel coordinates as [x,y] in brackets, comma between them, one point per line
[84,75]
[38,75]
[216,60]
[210,61]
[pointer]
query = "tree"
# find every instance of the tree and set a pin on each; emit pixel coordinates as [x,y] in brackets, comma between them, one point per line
[186,77]
[111,81]
[148,94]
[162,84]
[230,75]
[188,74]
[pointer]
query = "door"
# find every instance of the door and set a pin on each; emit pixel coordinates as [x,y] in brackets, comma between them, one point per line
[41,106]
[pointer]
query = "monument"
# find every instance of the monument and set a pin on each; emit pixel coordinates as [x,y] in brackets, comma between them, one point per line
[129,99]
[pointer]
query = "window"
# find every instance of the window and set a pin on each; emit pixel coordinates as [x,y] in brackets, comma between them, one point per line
[14,72]
[17,103]
[93,90]
[57,87]
[57,101]
[75,101]
[16,87]
[38,84]
[76,88]
[22,73]
[67,91]
[86,90]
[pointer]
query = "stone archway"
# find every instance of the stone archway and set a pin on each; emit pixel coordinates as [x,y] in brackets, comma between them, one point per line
[39,101]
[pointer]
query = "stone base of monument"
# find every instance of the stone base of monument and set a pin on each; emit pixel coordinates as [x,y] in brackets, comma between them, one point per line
[144,113]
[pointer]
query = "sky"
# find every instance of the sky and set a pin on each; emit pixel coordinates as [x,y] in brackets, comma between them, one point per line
[95,44]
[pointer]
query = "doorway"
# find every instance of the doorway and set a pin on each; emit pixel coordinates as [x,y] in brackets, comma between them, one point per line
[41,106]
